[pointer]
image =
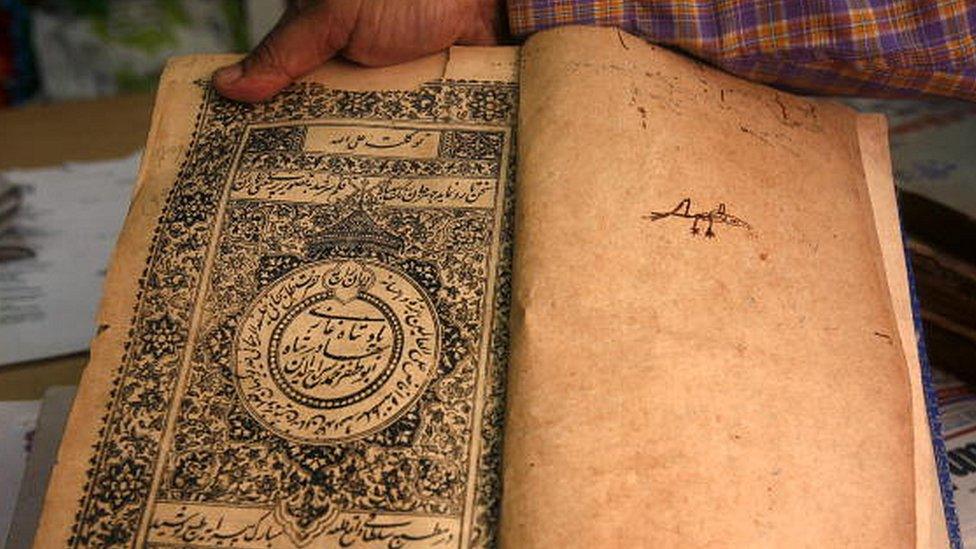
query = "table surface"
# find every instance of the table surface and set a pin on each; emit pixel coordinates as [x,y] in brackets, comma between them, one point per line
[49,134]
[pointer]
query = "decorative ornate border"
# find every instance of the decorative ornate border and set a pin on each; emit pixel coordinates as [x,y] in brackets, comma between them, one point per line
[124,460]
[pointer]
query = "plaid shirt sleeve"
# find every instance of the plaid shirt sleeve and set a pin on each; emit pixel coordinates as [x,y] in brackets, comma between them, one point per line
[859,47]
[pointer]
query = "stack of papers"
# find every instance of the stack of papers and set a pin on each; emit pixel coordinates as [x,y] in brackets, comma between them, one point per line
[44,441]
[957,406]
[17,421]
[69,220]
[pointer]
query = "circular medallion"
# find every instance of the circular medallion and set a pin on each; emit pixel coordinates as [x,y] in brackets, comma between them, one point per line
[335,350]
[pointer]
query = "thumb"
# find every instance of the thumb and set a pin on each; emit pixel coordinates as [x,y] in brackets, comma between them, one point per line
[299,43]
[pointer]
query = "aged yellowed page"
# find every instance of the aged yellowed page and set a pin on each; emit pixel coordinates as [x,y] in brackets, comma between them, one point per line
[873,141]
[704,350]
[301,339]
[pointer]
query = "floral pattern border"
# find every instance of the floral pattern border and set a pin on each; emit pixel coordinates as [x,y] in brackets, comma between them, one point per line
[123,462]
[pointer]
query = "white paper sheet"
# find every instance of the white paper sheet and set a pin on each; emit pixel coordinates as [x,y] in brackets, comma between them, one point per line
[17,420]
[70,218]
[43,454]
[957,406]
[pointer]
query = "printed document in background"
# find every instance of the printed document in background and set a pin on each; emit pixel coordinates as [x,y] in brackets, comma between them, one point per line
[43,454]
[957,405]
[931,148]
[17,420]
[69,219]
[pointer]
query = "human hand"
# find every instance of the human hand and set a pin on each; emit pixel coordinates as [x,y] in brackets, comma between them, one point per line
[369,32]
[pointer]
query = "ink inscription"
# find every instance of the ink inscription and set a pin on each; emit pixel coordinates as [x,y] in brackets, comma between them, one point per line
[706,218]
[336,350]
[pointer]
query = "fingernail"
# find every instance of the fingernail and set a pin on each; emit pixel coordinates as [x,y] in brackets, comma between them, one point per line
[229,74]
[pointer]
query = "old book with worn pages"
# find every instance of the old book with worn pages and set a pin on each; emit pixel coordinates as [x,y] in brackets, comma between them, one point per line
[673,312]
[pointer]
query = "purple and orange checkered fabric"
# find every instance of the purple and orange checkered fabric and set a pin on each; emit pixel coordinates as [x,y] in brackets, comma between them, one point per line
[857,47]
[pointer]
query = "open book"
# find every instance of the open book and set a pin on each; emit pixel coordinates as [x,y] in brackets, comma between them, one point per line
[354,316]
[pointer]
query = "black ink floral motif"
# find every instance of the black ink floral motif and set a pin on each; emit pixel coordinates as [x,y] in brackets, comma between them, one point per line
[424,272]
[314,459]
[117,533]
[424,104]
[491,104]
[161,336]
[401,433]
[278,138]
[193,469]
[469,232]
[192,208]
[242,427]
[245,224]
[468,144]
[452,348]
[358,104]
[436,480]
[273,267]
